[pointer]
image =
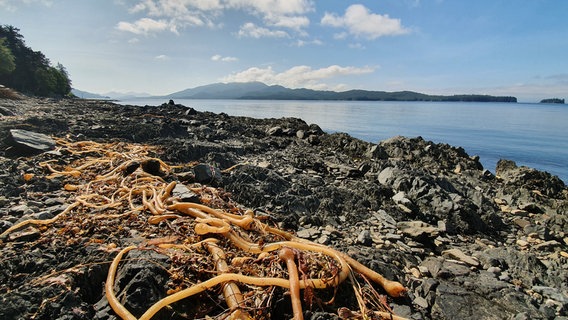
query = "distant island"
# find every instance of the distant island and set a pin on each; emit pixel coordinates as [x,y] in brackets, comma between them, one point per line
[553,100]
[261,91]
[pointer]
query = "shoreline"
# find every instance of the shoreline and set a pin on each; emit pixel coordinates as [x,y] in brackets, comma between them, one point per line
[422,213]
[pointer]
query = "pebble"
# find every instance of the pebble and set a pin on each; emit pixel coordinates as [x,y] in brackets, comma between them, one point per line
[504,276]
[522,243]
[309,233]
[28,234]
[417,229]
[421,302]
[547,245]
[364,238]
[323,239]
[494,270]
[460,256]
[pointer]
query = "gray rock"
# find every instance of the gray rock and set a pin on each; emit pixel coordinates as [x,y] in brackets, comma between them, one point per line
[183,193]
[459,255]
[309,233]
[417,229]
[274,131]
[364,238]
[28,142]
[552,293]
[207,174]
[421,302]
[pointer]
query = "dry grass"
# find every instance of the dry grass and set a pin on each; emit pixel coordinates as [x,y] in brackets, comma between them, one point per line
[7,93]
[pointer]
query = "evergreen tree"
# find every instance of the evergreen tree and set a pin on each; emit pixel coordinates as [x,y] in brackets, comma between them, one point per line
[33,72]
[7,64]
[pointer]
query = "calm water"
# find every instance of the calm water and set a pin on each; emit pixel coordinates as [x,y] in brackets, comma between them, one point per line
[534,135]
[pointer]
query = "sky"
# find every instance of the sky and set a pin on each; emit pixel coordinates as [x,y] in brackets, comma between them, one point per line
[500,47]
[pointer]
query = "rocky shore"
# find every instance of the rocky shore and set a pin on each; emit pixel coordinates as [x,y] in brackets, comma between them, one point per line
[467,242]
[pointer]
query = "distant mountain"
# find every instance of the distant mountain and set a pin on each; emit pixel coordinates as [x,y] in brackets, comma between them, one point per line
[234,90]
[261,91]
[112,95]
[88,95]
[127,95]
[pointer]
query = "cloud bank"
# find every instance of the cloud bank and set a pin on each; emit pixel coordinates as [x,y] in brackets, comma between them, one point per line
[298,76]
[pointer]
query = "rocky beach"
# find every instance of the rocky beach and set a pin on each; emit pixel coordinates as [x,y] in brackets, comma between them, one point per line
[466,242]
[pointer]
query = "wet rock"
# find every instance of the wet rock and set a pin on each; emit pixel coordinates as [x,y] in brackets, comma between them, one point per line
[140,282]
[27,142]
[207,174]
[184,194]
[152,166]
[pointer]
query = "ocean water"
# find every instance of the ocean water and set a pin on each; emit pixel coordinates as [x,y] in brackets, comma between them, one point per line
[533,135]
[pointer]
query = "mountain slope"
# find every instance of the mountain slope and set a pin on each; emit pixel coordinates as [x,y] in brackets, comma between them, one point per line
[261,91]
[233,90]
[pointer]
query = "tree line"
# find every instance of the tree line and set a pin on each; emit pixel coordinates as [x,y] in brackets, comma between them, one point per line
[29,71]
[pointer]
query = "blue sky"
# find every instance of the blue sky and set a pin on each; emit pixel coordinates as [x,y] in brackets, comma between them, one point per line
[500,47]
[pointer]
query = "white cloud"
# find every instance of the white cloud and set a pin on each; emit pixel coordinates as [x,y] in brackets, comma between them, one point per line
[249,29]
[359,21]
[161,57]
[143,26]
[356,46]
[302,43]
[297,76]
[179,14]
[219,57]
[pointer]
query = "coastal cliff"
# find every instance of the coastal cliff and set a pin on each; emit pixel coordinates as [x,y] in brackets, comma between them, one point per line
[467,242]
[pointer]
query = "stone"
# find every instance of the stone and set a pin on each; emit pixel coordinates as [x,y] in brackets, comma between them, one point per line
[500,202]
[552,293]
[309,233]
[364,238]
[531,208]
[184,194]
[377,152]
[494,270]
[388,175]
[401,198]
[28,234]
[6,112]
[28,142]
[265,165]
[546,246]
[323,239]
[152,166]
[207,174]
[420,302]
[274,131]
[459,255]
[521,223]
[522,243]
[417,229]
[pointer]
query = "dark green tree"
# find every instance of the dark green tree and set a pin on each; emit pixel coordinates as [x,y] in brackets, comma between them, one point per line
[33,72]
[7,64]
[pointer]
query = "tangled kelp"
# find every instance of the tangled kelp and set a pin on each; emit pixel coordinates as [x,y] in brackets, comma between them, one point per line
[214,242]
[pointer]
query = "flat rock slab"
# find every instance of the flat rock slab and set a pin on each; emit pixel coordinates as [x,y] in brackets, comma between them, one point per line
[31,142]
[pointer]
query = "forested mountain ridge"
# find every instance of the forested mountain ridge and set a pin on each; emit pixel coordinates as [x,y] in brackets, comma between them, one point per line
[261,91]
